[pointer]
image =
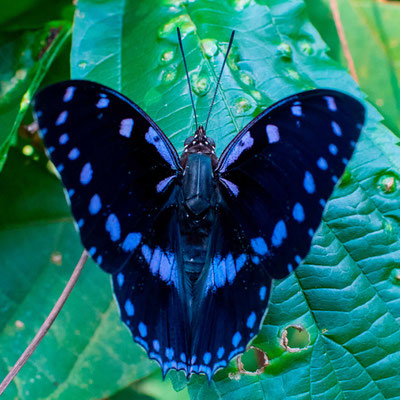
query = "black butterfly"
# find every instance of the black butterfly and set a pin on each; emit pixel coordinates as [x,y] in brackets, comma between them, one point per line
[192,242]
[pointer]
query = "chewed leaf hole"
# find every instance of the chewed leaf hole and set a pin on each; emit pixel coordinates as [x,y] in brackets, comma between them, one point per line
[295,339]
[56,258]
[252,362]
[388,183]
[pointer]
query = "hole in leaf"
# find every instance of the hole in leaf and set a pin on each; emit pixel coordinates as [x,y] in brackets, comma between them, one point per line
[295,339]
[388,183]
[252,362]
[56,258]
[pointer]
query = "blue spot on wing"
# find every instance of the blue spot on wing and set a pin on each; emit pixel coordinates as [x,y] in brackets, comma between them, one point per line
[279,233]
[113,227]
[131,241]
[259,246]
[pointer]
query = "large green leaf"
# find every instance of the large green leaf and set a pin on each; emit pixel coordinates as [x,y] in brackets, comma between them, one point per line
[345,295]
[378,64]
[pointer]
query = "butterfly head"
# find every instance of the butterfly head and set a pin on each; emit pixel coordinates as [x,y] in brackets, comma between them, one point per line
[199,143]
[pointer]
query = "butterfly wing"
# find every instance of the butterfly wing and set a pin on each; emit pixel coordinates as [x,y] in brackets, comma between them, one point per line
[273,179]
[120,173]
[278,173]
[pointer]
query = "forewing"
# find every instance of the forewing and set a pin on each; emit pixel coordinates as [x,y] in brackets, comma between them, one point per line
[278,173]
[118,168]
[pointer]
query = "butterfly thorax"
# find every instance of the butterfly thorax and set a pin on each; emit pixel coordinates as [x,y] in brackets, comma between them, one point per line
[200,143]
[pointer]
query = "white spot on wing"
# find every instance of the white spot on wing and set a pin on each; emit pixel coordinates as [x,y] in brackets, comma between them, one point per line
[272,133]
[246,142]
[155,139]
[125,128]
[296,110]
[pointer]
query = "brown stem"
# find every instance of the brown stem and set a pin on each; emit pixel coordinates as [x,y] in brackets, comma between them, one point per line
[342,38]
[47,323]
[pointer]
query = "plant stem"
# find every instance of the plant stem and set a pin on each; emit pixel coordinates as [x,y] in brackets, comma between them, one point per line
[342,38]
[47,323]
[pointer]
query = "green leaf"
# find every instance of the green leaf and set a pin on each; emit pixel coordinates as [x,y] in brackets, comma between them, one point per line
[27,56]
[377,64]
[87,353]
[32,14]
[345,295]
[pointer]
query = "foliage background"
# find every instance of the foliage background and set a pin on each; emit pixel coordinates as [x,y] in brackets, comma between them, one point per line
[346,295]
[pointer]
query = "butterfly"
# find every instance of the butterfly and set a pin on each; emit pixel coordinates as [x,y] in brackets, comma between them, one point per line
[192,242]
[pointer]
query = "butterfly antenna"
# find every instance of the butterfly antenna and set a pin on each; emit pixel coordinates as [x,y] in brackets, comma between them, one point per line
[219,79]
[187,74]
